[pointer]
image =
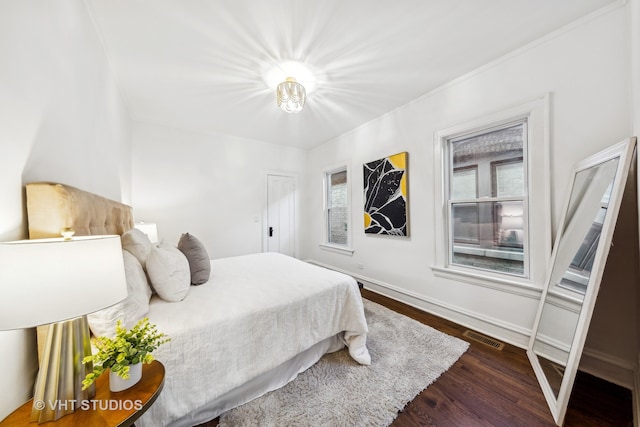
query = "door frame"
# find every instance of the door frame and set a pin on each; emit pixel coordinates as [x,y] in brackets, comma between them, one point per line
[265,208]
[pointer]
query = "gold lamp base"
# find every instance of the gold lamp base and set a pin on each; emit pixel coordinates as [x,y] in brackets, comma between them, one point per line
[58,389]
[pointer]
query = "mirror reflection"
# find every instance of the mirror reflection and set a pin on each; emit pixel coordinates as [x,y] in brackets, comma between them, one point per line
[585,233]
[582,228]
[579,237]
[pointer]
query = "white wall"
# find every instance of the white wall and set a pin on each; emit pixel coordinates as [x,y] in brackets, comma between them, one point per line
[586,69]
[212,186]
[61,120]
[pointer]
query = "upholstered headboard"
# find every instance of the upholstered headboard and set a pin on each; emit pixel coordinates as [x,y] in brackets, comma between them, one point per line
[52,207]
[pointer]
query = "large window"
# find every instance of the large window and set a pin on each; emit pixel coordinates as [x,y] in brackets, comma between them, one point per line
[487,203]
[492,221]
[337,207]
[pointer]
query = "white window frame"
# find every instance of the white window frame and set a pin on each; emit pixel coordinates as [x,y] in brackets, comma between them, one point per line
[523,198]
[326,245]
[537,177]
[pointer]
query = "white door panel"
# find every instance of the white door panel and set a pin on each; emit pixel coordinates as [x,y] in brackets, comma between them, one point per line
[281,209]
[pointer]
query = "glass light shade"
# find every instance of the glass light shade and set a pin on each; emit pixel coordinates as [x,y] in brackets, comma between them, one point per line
[291,96]
[50,280]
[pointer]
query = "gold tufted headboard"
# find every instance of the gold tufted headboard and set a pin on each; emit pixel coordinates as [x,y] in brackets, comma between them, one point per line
[52,207]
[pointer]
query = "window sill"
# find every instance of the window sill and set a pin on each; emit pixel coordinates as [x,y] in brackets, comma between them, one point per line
[335,248]
[513,285]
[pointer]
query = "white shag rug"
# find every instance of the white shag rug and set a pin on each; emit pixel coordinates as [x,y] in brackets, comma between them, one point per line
[406,356]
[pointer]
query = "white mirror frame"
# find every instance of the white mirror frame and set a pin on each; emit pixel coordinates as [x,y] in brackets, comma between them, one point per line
[624,151]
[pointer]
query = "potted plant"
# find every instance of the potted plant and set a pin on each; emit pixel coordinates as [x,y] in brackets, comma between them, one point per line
[124,354]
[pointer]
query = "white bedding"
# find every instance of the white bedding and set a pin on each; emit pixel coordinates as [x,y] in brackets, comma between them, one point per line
[255,313]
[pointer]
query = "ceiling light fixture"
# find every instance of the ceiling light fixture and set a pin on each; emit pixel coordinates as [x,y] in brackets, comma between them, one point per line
[291,95]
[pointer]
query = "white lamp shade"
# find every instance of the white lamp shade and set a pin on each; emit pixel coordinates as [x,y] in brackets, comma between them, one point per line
[50,280]
[150,229]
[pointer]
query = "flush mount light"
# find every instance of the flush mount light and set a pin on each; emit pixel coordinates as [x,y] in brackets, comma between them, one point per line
[292,81]
[291,96]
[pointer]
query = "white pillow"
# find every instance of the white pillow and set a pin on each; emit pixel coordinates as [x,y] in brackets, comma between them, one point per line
[137,302]
[103,322]
[168,270]
[133,308]
[138,243]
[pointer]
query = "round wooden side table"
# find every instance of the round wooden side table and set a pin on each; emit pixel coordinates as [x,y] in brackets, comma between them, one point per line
[106,409]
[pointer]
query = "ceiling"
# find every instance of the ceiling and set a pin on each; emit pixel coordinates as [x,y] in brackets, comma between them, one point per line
[198,65]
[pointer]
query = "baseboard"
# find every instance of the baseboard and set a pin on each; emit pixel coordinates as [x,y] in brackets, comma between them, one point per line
[609,368]
[512,334]
[596,363]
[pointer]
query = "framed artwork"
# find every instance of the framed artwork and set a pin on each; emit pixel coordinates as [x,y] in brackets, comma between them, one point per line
[385,196]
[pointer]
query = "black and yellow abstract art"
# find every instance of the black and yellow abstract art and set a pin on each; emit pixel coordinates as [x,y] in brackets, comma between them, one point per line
[385,196]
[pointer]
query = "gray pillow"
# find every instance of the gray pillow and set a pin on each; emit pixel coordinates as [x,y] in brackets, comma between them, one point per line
[199,263]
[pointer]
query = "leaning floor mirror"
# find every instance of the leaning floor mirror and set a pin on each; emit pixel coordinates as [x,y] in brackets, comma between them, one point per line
[577,263]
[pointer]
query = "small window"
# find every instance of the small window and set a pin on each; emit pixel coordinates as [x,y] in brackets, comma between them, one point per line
[487,199]
[337,207]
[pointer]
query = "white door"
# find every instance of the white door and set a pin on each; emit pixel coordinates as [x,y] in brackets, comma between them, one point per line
[281,214]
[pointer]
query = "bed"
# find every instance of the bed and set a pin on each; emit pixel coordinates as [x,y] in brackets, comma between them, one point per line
[256,323]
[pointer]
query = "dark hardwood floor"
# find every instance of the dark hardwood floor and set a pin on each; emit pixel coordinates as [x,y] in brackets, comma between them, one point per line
[489,387]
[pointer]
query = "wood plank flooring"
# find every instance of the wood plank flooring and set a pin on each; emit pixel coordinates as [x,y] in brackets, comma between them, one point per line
[489,387]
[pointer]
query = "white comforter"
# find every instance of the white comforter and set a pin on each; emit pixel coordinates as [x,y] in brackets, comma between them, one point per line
[255,313]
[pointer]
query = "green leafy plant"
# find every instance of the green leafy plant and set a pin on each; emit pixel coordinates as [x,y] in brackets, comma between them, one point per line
[127,348]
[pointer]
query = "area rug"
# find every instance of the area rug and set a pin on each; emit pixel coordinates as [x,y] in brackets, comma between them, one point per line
[406,356]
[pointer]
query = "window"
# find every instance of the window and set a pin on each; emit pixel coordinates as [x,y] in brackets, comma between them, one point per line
[486,199]
[465,186]
[337,207]
[492,216]
[577,275]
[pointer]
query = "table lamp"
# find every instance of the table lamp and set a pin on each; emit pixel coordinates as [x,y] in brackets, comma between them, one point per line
[148,228]
[59,281]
